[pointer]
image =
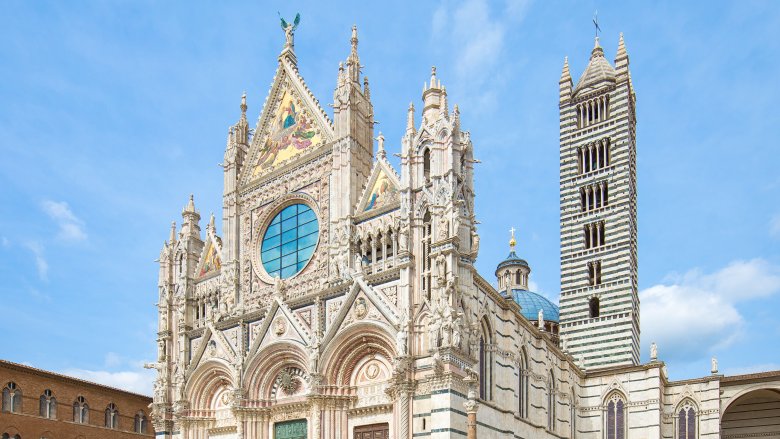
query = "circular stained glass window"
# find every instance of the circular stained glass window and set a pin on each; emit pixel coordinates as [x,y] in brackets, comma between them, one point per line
[289,241]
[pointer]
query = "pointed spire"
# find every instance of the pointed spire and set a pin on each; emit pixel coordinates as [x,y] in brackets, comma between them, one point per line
[433,77]
[565,74]
[410,119]
[190,207]
[621,51]
[354,42]
[212,226]
[172,237]
[353,61]
[366,90]
[243,105]
[380,152]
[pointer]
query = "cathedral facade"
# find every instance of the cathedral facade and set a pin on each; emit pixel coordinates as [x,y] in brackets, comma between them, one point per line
[342,300]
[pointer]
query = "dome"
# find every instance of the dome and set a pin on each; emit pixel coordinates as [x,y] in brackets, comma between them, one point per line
[531,303]
[512,259]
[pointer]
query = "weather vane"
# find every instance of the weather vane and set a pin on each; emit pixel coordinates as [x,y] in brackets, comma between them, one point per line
[596,23]
[289,28]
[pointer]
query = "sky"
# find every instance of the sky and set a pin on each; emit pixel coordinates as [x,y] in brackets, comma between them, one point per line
[114,112]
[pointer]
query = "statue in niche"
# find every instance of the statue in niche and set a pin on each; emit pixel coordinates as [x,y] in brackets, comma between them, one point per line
[457,328]
[441,269]
[443,228]
[402,337]
[434,327]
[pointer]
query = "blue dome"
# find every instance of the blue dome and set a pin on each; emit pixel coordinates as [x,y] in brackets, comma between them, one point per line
[512,259]
[531,303]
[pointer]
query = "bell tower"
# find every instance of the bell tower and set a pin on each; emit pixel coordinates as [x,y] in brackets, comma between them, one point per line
[599,301]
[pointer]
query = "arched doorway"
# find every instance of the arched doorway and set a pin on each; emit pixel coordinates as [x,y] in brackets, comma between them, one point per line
[754,414]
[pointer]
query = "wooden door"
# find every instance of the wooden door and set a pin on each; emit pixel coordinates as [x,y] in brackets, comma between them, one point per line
[373,431]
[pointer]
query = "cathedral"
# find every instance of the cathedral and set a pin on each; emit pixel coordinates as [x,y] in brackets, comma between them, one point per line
[342,299]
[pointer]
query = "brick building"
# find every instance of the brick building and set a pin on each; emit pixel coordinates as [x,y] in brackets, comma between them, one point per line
[39,404]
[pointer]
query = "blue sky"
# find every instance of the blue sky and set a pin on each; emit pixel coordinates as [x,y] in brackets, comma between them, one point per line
[114,112]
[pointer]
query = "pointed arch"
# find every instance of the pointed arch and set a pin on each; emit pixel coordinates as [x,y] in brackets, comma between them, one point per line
[686,417]
[615,416]
[522,383]
[486,360]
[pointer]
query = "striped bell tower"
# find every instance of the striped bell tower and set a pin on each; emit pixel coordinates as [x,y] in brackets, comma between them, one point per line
[599,301]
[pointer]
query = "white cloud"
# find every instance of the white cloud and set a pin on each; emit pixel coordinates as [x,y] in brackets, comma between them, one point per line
[113,360]
[40,261]
[71,227]
[774,226]
[138,381]
[475,31]
[695,314]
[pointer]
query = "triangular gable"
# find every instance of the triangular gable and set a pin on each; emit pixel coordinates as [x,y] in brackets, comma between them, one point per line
[272,329]
[382,190]
[291,124]
[382,311]
[221,347]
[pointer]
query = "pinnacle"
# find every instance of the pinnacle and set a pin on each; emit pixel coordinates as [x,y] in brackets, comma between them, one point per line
[621,51]
[190,208]
[243,103]
[565,74]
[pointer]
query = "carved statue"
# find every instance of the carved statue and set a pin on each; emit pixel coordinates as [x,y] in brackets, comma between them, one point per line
[457,327]
[161,350]
[474,242]
[441,269]
[314,353]
[403,241]
[443,228]
[164,321]
[402,337]
[653,352]
[289,29]
[714,369]
[541,318]
[434,327]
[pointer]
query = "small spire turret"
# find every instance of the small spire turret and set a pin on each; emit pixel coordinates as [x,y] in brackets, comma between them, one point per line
[172,237]
[380,152]
[410,119]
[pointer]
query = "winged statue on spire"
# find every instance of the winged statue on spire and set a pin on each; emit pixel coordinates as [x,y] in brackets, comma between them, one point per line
[289,28]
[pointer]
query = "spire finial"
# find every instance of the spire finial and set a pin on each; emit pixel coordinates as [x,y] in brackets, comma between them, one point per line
[380,139]
[243,104]
[354,39]
[433,77]
[211,222]
[410,118]
[172,238]
[191,204]
[512,241]
[596,24]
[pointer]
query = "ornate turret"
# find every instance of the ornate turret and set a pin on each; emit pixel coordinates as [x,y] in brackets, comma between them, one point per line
[512,273]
